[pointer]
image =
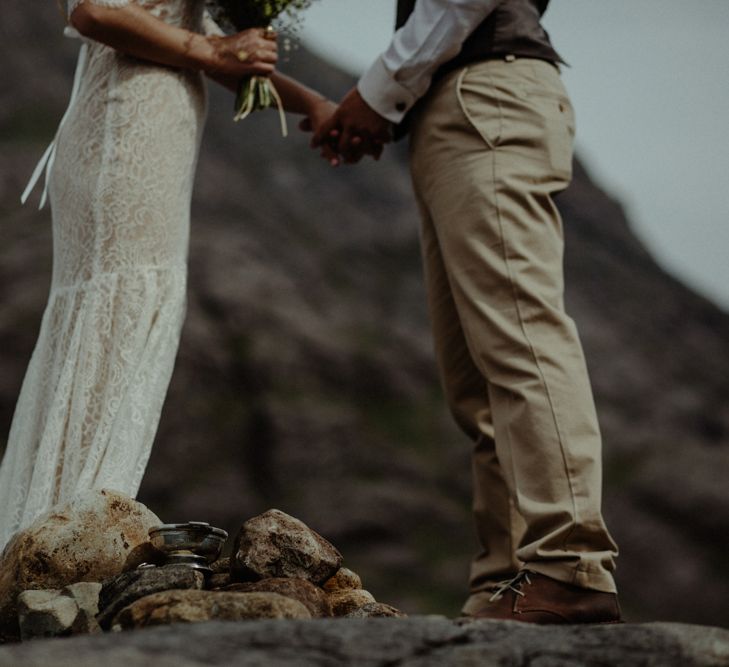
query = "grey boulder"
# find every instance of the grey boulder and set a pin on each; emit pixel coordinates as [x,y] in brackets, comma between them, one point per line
[345,601]
[343,579]
[311,596]
[383,642]
[376,610]
[199,606]
[129,587]
[57,613]
[86,539]
[275,544]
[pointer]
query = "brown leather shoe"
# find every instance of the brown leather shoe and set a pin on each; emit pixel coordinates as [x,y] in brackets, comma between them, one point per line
[479,599]
[535,598]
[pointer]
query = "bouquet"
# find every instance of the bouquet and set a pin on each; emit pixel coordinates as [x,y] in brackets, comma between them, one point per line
[257,92]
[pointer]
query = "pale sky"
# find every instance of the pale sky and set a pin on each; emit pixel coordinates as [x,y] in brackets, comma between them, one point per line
[650,84]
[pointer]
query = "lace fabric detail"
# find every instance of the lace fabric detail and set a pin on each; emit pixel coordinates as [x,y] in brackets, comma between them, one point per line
[120,191]
[210,27]
[72,4]
[93,393]
[183,13]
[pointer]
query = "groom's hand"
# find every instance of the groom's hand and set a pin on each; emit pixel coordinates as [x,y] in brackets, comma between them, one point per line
[355,130]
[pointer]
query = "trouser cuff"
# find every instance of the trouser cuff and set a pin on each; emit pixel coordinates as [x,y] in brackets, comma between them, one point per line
[598,579]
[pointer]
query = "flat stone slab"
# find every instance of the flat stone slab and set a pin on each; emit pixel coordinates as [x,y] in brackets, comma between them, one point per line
[425,641]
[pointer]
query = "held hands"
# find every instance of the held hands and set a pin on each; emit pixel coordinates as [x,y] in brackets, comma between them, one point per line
[247,53]
[319,113]
[350,132]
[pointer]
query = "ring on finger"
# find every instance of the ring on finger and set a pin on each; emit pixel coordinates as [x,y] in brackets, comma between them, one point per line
[269,33]
[243,55]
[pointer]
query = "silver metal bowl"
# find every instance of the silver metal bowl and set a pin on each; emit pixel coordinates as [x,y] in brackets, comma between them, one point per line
[195,543]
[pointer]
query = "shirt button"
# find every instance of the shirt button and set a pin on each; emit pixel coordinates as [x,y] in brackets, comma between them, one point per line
[401,106]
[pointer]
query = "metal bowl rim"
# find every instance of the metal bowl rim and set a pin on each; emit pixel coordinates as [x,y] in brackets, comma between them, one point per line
[190,528]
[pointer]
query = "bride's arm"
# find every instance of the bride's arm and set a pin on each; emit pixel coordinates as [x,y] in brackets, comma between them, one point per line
[298,98]
[131,29]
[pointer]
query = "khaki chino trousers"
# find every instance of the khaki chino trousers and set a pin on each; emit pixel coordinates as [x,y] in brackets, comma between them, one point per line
[490,147]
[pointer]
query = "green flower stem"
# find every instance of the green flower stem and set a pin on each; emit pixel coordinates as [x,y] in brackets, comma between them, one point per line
[255,93]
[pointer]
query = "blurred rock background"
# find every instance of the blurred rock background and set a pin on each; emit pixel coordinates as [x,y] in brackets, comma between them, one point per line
[305,379]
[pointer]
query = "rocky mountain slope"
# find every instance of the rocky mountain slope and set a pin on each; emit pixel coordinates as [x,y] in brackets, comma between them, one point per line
[305,379]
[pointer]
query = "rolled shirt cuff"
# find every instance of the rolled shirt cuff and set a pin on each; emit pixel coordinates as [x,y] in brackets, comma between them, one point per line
[387,97]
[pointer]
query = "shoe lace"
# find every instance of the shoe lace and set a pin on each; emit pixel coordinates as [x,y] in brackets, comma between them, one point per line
[513,584]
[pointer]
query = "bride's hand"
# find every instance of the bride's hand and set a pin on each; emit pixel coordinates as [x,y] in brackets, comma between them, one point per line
[319,113]
[251,52]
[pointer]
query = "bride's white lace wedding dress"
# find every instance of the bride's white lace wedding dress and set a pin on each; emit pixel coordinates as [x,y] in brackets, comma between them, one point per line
[120,188]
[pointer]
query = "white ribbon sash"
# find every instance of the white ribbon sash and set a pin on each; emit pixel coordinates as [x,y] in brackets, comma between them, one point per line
[46,162]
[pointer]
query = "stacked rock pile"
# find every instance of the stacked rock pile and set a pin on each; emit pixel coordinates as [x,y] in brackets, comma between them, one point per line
[76,570]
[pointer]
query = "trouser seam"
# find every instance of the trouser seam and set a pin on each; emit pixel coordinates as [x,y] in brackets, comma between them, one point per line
[512,492]
[512,285]
[537,363]
[471,348]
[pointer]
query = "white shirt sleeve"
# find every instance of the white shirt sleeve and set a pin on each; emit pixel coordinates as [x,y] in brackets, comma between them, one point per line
[433,34]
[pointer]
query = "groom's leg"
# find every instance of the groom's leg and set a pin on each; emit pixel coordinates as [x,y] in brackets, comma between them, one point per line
[498,525]
[490,148]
